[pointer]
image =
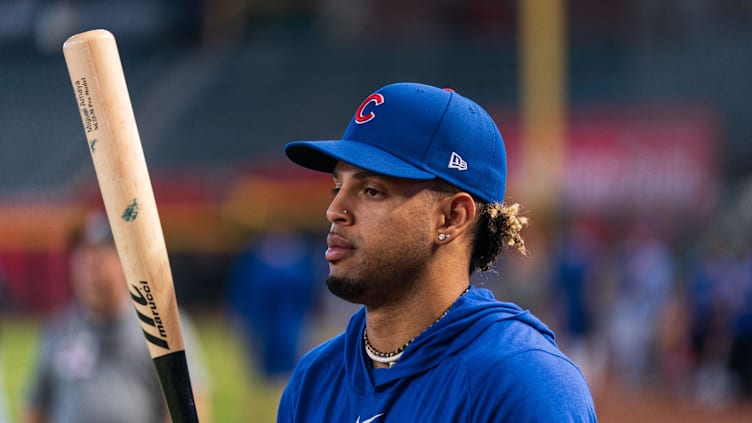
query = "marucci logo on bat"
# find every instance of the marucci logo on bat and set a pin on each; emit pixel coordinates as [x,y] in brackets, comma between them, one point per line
[143,297]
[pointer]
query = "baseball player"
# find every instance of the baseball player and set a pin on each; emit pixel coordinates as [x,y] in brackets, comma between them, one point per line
[417,207]
[93,362]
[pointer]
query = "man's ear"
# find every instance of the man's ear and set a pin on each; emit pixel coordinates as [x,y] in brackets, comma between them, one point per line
[457,215]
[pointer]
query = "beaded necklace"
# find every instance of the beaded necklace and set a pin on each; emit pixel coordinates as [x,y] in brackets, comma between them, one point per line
[390,358]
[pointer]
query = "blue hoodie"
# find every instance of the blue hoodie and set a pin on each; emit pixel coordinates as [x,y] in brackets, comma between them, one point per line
[485,361]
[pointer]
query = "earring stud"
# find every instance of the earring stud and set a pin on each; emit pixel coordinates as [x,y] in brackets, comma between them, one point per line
[443,237]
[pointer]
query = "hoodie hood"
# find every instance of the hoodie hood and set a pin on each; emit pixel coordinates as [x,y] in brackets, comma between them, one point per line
[471,315]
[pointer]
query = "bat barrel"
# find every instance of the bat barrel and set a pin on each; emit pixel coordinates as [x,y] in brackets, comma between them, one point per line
[112,136]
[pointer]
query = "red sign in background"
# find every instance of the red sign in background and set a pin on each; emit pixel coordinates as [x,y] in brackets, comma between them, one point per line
[633,160]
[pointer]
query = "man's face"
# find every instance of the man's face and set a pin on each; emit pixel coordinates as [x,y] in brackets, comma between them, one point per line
[98,280]
[380,239]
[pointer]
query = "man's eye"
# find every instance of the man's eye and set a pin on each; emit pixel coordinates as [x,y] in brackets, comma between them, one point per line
[335,191]
[371,192]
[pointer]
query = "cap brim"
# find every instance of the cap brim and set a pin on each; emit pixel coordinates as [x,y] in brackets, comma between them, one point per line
[324,155]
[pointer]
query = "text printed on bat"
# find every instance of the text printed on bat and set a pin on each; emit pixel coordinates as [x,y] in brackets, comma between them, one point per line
[86,105]
[143,297]
[131,211]
[92,144]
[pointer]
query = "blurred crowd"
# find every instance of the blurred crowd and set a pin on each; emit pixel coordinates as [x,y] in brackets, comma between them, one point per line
[640,304]
[641,311]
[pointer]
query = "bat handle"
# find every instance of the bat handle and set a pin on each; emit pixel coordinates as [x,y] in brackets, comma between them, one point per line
[172,369]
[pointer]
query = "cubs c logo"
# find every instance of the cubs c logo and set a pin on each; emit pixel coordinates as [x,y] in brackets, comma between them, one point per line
[377,99]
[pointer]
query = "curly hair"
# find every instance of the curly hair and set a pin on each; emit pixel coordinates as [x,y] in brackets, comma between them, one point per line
[497,226]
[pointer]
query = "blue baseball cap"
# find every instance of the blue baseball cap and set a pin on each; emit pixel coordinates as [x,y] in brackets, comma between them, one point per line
[416,131]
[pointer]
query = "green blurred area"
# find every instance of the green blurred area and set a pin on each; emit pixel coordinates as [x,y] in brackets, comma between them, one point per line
[238,393]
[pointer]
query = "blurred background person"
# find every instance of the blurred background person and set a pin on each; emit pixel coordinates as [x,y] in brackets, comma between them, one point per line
[94,364]
[646,277]
[720,318]
[272,291]
[575,291]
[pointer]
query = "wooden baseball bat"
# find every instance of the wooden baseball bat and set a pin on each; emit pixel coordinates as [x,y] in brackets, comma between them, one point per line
[101,94]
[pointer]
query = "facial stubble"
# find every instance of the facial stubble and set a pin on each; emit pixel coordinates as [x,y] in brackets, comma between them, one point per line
[387,274]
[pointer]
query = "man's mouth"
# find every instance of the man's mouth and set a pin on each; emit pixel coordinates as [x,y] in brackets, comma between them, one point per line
[338,247]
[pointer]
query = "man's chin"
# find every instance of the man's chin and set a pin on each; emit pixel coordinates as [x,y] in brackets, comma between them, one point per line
[352,290]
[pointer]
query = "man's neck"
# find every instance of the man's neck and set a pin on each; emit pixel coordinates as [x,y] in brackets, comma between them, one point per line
[391,326]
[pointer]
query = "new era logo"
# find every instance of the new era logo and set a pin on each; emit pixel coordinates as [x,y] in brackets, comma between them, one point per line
[456,162]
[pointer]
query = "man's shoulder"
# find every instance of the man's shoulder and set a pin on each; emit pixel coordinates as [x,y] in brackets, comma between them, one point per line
[514,346]
[528,368]
[507,341]
[510,336]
